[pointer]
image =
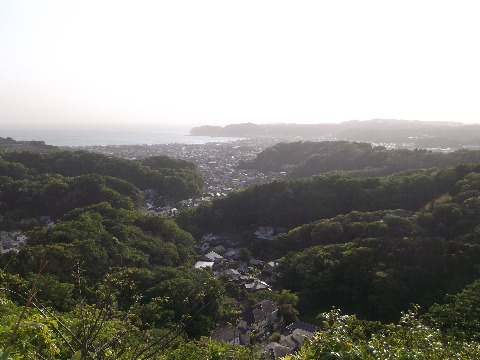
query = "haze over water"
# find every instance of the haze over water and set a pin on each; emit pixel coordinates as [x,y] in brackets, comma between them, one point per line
[213,62]
[89,135]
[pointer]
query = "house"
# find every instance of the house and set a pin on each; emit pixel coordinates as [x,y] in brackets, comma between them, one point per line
[270,266]
[255,262]
[232,254]
[295,340]
[219,248]
[46,221]
[258,319]
[22,240]
[303,326]
[206,242]
[400,214]
[6,242]
[6,251]
[212,256]
[276,351]
[265,233]
[186,203]
[291,341]
[242,267]
[227,334]
[256,285]
[12,241]
[203,264]
[232,274]
[6,236]
[202,246]
[288,344]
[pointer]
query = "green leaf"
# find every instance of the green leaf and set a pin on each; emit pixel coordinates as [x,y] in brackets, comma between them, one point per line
[76,356]
[5,354]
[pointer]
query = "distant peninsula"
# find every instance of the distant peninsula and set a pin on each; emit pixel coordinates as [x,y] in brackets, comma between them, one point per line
[421,134]
[9,144]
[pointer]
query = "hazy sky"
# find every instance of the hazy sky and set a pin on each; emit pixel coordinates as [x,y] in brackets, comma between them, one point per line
[217,62]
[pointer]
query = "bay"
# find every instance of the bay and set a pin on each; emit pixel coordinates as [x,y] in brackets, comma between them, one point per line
[90,137]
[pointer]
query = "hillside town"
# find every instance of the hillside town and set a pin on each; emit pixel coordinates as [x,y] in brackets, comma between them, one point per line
[14,241]
[261,323]
[226,257]
[217,162]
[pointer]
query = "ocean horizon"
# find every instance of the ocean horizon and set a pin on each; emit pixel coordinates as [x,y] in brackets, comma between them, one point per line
[99,137]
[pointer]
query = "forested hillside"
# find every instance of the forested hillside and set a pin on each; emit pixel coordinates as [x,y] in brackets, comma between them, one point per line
[295,202]
[449,331]
[36,184]
[376,264]
[176,178]
[378,245]
[100,242]
[104,281]
[100,262]
[302,159]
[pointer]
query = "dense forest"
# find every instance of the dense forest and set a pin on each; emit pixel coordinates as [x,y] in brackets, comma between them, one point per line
[398,253]
[302,159]
[102,262]
[369,260]
[36,184]
[371,246]
[295,202]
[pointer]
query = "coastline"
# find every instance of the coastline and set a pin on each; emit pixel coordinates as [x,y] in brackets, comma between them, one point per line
[96,137]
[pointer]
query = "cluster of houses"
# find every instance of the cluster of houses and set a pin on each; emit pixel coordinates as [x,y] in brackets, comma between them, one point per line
[268,232]
[153,209]
[241,273]
[254,323]
[15,240]
[230,267]
[291,340]
[12,241]
[257,323]
[217,161]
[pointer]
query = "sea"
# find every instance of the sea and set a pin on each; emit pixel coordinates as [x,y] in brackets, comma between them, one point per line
[91,137]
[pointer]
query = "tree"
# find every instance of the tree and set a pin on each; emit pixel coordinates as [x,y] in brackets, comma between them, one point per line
[286,307]
[345,337]
[245,254]
[460,315]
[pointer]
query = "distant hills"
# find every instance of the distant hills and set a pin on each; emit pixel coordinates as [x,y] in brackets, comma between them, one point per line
[412,133]
[9,144]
